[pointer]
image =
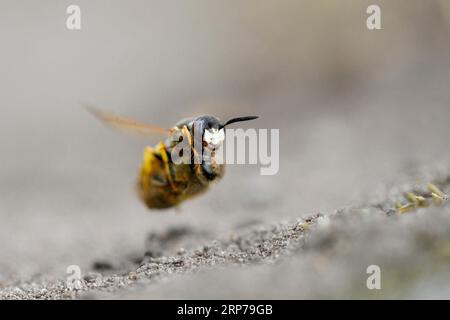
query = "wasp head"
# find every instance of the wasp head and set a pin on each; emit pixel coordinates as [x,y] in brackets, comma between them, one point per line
[212,135]
[209,132]
[212,130]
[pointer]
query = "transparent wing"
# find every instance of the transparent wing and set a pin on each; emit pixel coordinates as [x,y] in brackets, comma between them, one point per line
[125,125]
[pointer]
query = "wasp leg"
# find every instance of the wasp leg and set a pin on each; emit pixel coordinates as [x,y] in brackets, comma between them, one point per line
[161,149]
[187,134]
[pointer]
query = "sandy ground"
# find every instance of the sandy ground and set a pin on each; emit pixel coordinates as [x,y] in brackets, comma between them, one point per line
[363,117]
[254,232]
[322,256]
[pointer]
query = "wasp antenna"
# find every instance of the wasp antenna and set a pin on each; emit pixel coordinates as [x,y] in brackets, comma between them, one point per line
[239,119]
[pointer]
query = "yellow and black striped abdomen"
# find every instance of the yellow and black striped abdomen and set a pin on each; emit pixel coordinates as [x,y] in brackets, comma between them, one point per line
[163,184]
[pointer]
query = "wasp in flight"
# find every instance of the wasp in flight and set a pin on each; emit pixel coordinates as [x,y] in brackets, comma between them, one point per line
[164,183]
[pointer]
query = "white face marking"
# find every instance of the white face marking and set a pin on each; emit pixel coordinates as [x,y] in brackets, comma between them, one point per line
[214,137]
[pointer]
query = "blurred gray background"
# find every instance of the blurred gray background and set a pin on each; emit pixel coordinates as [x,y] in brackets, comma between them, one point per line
[355,108]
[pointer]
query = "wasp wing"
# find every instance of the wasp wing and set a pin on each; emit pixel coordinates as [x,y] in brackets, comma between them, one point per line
[126,125]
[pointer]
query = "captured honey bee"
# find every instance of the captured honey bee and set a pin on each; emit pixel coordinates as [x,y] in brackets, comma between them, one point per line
[165,183]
